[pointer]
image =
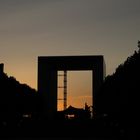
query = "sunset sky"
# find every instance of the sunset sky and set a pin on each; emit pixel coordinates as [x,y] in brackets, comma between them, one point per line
[32,28]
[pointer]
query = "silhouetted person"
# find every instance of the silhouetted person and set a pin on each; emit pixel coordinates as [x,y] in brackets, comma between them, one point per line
[87,107]
[87,111]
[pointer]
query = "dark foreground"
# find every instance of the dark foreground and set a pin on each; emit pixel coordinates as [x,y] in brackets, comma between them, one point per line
[89,129]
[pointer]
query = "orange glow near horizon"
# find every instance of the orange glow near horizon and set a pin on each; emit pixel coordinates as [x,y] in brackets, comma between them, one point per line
[79,89]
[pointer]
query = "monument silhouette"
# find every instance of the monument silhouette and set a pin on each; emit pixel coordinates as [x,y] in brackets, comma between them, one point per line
[47,77]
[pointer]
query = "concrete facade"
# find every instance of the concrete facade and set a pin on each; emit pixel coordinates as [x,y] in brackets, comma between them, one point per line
[47,77]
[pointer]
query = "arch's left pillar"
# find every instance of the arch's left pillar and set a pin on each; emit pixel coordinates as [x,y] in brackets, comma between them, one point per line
[47,87]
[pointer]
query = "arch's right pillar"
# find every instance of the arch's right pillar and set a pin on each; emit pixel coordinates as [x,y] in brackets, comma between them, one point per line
[98,74]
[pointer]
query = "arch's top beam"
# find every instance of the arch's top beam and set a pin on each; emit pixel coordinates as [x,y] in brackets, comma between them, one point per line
[87,62]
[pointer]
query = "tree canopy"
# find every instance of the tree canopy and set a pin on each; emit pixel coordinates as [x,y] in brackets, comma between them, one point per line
[118,96]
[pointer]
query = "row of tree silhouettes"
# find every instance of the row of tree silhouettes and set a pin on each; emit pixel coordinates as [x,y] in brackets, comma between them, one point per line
[17,100]
[118,98]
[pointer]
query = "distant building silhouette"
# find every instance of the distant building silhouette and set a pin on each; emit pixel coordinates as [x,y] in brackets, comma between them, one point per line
[1,68]
[138,44]
[76,113]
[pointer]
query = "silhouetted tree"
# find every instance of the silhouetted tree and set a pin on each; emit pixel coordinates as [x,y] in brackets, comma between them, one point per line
[16,100]
[119,94]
